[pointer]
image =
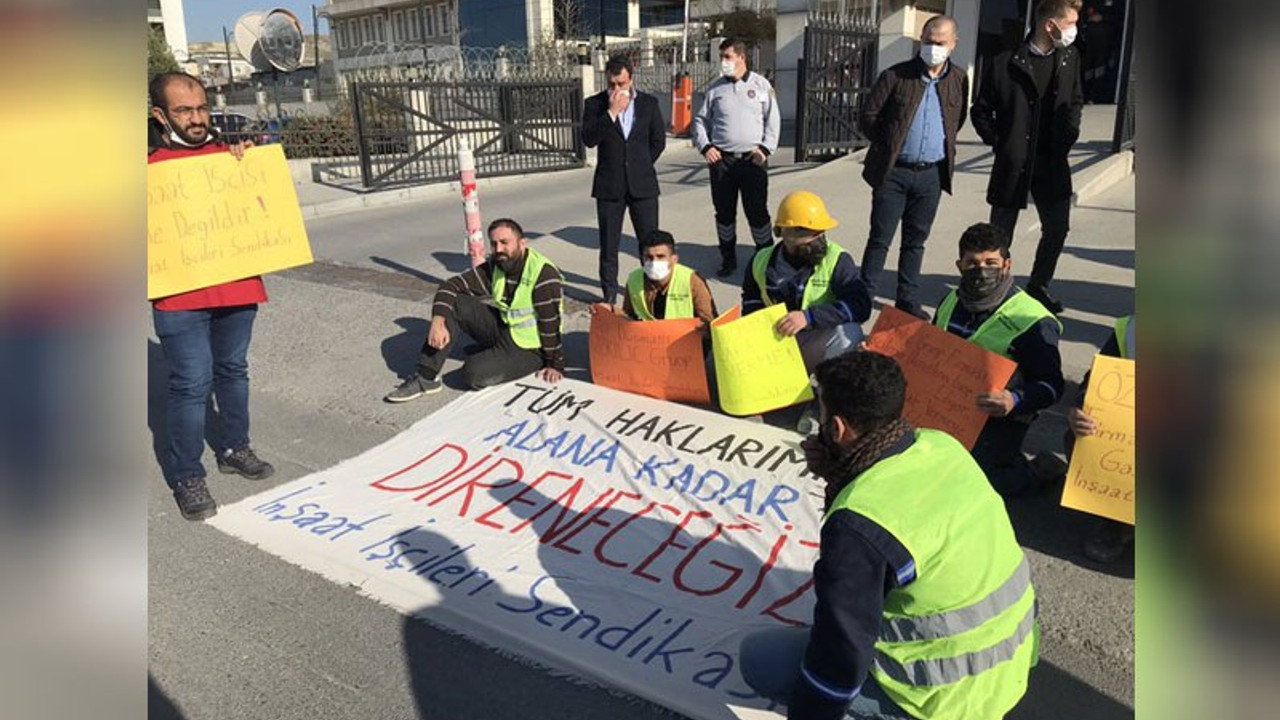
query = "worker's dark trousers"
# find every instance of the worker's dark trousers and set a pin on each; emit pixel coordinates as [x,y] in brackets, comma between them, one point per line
[735,175]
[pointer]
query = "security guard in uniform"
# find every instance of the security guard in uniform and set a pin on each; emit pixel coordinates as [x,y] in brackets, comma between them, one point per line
[990,311]
[925,607]
[736,130]
[815,278]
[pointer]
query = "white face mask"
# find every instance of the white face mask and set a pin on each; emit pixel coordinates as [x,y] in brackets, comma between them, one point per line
[728,68]
[934,55]
[657,270]
[1067,37]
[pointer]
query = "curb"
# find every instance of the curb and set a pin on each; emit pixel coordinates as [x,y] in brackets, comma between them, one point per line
[1103,176]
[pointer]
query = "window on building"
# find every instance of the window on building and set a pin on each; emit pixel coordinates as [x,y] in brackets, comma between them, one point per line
[366,32]
[446,17]
[414,28]
[379,28]
[431,21]
[397,29]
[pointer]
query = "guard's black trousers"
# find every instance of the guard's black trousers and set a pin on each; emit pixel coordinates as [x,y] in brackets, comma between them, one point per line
[735,175]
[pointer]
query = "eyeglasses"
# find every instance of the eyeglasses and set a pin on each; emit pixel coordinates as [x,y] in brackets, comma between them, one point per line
[185,111]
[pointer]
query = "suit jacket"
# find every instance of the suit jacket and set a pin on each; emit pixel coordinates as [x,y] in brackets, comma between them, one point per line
[624,165]
[1005,116]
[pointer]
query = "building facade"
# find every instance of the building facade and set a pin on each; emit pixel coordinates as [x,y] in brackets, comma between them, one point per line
[167,17]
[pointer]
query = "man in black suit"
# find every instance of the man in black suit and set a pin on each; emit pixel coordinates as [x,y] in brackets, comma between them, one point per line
[630,132]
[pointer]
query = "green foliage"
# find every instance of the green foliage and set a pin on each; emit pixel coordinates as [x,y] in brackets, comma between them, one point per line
[159,57]
[753,28]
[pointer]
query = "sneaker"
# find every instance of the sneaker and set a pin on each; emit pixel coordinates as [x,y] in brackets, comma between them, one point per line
[244,462]
[1048,301]
[1049,469]
[727,268]
[913,309]
[414,388]
[194,500]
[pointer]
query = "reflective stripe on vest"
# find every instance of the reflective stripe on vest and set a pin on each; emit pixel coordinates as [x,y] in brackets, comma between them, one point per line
[944,671]
[1126,337]
[679,294]
[954,622]
[817,291]
[519,316]
[957,642]
[1017,314]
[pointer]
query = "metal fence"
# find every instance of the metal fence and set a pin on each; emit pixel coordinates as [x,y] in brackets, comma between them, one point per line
[410,133]
[836,72]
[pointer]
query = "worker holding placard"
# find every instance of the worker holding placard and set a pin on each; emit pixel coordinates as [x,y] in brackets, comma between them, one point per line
[815,278]
[662,288]
[1108,538]
[924,602]
[204,332]
[988,309]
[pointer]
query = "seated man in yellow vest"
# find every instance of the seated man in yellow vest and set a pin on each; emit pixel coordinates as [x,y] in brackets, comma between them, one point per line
[990,311]
[662,288]
[517,335]
[920,582]
[815,278]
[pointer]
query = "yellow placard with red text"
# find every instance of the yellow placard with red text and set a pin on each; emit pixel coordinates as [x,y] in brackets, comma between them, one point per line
[757,369]
[213,219]
[1103,465]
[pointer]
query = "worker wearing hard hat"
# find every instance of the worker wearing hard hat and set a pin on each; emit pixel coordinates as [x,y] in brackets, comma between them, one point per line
[815,278]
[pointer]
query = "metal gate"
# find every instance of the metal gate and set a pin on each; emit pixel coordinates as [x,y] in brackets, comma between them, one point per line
[836,72]
[409,132]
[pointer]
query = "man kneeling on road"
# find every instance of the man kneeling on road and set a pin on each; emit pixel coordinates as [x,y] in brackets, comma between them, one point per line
[920,582]
[663,289]
[517,335]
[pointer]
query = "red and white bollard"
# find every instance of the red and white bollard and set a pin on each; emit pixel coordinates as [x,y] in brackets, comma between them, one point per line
[471,203]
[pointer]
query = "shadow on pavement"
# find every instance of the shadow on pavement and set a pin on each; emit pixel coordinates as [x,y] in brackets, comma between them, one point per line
[1119,257]
[400,352]
[1054,694]
[159,706]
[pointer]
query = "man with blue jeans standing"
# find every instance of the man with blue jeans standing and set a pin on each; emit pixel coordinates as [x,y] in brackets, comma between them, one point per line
[912,116]
[204,333]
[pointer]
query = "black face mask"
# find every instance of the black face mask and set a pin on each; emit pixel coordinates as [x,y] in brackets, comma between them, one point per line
[981,281]
[812,252]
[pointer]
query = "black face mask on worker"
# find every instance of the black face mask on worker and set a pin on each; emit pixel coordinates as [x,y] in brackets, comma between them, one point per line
[812,252]
[981,281]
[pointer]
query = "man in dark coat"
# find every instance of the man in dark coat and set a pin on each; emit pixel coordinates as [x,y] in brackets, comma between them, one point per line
[629,130]
[1028,109]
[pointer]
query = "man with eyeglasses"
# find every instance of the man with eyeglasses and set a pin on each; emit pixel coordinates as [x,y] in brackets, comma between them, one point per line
[204,333]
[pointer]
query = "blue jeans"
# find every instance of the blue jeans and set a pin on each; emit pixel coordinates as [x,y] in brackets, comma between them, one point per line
[207,350]
[910,197]
[770,662]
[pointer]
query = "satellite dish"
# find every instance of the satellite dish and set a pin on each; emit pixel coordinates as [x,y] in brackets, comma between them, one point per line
[281,40]
[247,30]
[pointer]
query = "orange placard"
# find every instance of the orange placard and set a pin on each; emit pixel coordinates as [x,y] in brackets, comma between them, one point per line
[943,372]
[659,358]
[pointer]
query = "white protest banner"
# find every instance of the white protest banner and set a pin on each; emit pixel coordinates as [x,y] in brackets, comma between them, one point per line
[626,539]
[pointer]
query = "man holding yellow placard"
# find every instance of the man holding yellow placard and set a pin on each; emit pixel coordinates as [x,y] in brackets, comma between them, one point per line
[815,278]
[205,332]
[990,311]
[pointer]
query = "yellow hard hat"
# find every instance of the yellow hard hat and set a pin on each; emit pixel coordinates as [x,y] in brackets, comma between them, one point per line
[803,209]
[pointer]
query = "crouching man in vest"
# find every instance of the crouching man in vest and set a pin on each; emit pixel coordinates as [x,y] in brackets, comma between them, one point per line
[993,313]
[924,601]
[517,335]
[815,278]
[663,289]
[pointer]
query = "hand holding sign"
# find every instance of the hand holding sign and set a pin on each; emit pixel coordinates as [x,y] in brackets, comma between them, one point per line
[757,368]
[944,374]
[1101,477]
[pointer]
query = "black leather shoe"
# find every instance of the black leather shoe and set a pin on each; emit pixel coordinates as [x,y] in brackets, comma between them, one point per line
[727,268]
[1048,301]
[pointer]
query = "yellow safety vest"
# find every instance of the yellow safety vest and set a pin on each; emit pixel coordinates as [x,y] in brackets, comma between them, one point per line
[1017,314]
[519,315]
[679,294]
[958,641]
[816,292]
